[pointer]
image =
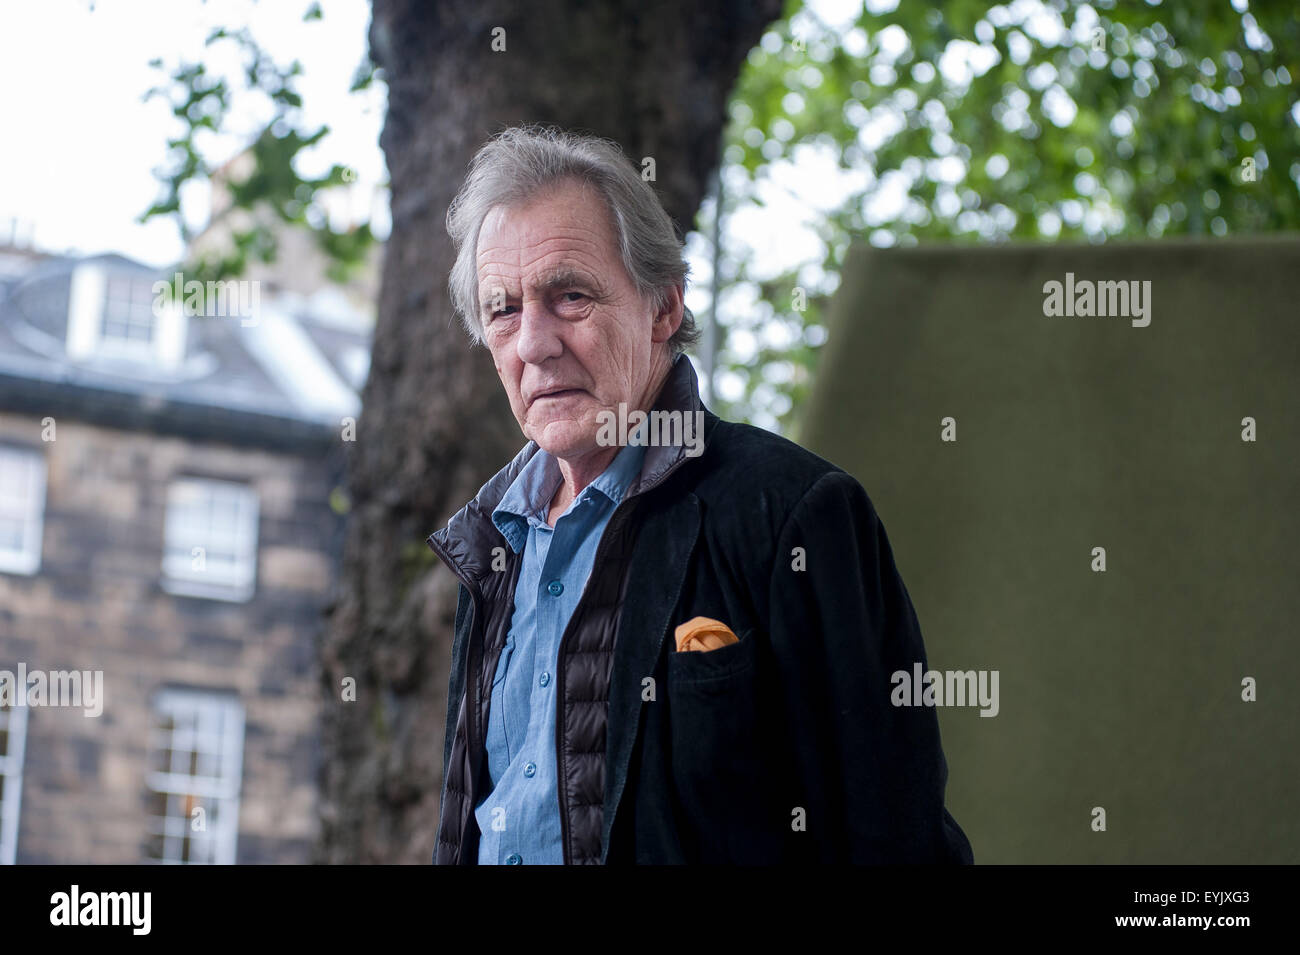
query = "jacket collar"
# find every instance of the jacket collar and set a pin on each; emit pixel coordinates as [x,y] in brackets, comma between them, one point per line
[466,543]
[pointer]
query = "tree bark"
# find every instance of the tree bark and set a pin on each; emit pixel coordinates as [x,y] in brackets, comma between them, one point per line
[436,423]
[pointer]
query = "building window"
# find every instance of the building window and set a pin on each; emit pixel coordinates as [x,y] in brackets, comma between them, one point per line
[211,540]
[22,510]
[196,755]
[128,319]
[13,737]
[115,314]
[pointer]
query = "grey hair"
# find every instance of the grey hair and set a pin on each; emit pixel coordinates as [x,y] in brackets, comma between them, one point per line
[517,164]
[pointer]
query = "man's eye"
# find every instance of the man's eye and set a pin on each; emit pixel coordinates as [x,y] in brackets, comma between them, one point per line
[497,313]
[573,296]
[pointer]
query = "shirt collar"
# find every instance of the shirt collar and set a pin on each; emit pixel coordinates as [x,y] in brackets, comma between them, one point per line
[529,495]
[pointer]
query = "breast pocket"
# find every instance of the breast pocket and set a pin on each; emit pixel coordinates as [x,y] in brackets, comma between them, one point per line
[719,751]
[503,662]
[498,740]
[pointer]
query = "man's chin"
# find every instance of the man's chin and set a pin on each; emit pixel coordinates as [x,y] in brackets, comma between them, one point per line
[569,439]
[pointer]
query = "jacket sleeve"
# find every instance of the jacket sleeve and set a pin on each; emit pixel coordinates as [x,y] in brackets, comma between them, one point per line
[872,774]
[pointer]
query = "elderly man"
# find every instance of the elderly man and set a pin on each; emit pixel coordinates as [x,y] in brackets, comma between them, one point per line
[675,634]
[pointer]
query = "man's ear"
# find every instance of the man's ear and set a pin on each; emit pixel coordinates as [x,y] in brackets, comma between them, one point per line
[668,317]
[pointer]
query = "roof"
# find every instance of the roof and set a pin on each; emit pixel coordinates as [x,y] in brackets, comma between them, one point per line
[292,373]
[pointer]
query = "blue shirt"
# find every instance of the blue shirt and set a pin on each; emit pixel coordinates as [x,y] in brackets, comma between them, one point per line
[520,817]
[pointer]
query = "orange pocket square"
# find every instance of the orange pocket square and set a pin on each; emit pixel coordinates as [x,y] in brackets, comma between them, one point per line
[703,633]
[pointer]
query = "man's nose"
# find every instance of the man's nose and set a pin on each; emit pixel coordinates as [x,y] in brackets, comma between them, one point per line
[539,337]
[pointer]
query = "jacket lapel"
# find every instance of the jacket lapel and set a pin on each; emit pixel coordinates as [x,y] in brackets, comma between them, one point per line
[658,568]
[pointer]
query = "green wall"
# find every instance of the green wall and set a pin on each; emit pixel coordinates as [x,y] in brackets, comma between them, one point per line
[1119,689]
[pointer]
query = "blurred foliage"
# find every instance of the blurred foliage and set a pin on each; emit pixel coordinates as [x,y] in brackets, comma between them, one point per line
[1028,120]
[274,191]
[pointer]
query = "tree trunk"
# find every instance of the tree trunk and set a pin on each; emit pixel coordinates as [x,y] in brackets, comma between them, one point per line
[436,423]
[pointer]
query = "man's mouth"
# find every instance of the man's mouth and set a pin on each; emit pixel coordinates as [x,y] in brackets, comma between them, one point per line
[558,393]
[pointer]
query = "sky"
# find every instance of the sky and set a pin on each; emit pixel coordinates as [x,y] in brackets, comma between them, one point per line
[81,144]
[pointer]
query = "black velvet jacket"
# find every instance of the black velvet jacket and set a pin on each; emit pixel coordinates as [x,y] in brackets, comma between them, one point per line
[780,748]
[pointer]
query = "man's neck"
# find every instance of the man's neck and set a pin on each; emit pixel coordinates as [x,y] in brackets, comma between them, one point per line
[577,475]
[580,472]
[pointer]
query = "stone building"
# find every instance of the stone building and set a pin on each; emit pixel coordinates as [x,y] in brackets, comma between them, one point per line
[170,522]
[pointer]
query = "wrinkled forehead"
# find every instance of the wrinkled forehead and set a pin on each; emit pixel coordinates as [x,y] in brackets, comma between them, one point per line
[565,226]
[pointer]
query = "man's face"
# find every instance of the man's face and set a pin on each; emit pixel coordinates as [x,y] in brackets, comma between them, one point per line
[569,335]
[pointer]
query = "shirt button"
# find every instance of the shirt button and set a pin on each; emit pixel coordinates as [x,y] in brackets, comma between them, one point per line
[530,770]
[555,588]
[544,679]
[514,859]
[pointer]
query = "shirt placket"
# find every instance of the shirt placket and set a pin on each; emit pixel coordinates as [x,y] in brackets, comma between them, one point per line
[538,723]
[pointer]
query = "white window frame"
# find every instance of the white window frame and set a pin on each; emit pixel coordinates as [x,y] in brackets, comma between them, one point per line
[14,721]
[205,557]
[87,306]
[206,734]
[127,308]
[28,507]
